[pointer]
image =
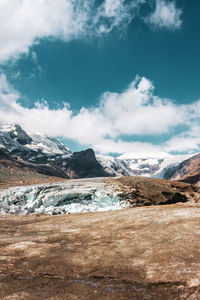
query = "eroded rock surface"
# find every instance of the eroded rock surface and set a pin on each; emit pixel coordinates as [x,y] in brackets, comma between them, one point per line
[135,253]
[142,191]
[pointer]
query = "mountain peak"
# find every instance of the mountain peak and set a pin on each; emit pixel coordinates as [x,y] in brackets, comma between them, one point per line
[20,135]
[12,136]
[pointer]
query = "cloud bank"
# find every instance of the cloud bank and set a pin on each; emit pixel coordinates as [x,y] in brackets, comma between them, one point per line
[136,111]
[166,15]
[24,23]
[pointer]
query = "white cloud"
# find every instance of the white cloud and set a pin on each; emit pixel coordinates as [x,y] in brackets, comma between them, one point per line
[137,149]
[166,15]
[134,111]
[188,140]
[137,111]
[184,143]
[25,22]
[115,14]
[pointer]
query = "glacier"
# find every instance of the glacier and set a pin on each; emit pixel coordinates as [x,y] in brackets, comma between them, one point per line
[77,196]
[129,164]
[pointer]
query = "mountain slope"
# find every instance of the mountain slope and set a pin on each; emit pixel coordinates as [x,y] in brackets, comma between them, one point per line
[15,140]
[46,155]
[187,171]
[113,166]
[13,172]
[129,165]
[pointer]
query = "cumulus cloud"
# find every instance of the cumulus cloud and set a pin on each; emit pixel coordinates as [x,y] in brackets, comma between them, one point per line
[135,111]
[25,22]
[166,15]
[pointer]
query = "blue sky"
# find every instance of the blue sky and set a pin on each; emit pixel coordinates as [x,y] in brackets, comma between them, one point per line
[118,76]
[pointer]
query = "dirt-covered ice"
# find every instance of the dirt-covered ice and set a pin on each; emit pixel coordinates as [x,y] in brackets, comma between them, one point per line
[73,196]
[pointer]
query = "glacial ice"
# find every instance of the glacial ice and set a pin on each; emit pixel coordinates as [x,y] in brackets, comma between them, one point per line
[63,198]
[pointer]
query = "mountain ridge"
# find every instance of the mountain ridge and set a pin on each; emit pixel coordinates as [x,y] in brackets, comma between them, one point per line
[48,156]
[152,166]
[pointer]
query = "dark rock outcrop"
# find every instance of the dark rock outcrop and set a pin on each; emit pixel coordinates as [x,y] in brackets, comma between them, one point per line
[83,164]
[193,179]
[20,135]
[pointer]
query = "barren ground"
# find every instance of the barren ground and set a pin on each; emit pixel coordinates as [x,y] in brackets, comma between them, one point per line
[12,176]
[136,253]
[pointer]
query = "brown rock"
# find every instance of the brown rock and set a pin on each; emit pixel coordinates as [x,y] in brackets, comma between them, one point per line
[142,191]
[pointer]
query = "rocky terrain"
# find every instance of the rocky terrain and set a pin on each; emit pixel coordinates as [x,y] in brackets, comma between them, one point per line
[100,238]
[139,253]
[98,194]
[187,171]
[129,253]
[142,191]
[17,173]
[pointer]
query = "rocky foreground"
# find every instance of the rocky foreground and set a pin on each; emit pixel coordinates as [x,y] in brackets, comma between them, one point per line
[138,253]
[148,250]
[135,253]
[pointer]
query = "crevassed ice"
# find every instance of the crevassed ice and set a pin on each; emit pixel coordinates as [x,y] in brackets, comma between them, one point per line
[59,199]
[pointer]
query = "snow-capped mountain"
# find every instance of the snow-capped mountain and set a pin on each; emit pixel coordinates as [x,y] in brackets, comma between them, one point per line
[50,157]
[46,155]
[129,165]
[13,137]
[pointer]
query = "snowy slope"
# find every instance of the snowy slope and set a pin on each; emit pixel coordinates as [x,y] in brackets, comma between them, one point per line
[169,162]
[47,145]
[13,137]
[46,155]
[142,155]
[39,149]
[128,164]
[112,165]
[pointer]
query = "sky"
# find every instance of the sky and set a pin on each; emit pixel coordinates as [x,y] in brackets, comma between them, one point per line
[115,75]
